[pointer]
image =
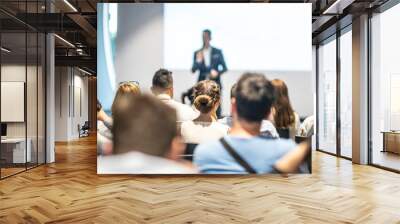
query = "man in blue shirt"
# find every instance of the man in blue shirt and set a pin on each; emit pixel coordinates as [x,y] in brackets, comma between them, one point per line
[266,129]
[244,150]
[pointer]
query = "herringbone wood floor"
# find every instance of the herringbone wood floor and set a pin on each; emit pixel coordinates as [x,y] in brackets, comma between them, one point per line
[70,191]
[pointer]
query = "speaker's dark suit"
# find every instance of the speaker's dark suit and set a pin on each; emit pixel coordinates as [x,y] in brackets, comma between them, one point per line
[217,63]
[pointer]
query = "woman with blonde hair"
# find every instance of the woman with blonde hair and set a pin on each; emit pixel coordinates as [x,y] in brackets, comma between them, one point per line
[125,88]
[103,119]
[105,122]
[285,118]
[207,96]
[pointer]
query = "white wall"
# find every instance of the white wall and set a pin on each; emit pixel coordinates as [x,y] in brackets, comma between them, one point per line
[139,43]
[61,103]
[81,104]
[70,83]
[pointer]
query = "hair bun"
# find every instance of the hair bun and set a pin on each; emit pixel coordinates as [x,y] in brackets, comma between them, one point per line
[203,103]
[204,99]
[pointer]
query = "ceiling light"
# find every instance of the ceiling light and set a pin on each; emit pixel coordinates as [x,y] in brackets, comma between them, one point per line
[84,71]
[5,50]
[79,51]
[65,41]
[337,7]
[70,5]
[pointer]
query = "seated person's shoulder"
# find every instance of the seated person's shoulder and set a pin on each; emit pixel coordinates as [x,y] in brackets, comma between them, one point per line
[188,129]
[207,150]
[284,145]
[186,124]
[209,145]
[221,126]
[226,121]
[186,112]
[223,120]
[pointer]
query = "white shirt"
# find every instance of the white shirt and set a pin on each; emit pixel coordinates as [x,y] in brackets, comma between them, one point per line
[202,132]
[307,127]
[207,56]
[103,143]
[139,163]
[103,129]
[183,111]
[266,125]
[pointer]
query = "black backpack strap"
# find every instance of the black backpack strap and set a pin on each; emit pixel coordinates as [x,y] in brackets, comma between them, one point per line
[237,157]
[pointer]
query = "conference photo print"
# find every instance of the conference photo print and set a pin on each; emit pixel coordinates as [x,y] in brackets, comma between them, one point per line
[210,88]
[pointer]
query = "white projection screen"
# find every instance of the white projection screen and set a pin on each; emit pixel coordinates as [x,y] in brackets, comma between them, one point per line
[252,36]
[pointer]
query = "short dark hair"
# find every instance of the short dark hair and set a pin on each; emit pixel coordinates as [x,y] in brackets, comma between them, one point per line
[254,96]
[208,32]
[99,106]
[143,123]
[233,90]
[163,79]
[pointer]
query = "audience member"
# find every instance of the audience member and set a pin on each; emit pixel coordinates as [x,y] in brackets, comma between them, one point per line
[205,127]
[104,145]
[124,89]
[189,95]
[285,117]
[104,136]
[307,127]
[267,127]
[244,150]
[163,88]
[145,142]
[104,122]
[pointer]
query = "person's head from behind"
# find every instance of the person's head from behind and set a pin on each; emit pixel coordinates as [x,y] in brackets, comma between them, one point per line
[125,89]
[99,106]
[233,91]
[163,83]
[207,94]
[284,114]
[150,129]
[253,98]
[101,115]
[206,37]
[233,94]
